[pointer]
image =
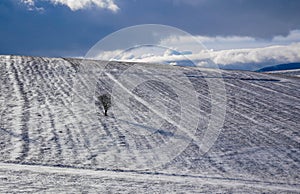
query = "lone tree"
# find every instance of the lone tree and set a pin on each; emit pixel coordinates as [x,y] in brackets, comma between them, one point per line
[105,100]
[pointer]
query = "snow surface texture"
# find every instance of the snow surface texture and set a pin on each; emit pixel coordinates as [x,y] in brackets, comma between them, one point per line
[54,137]
[290,73]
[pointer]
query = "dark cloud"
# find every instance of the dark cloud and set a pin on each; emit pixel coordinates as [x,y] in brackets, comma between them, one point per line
[259,18]
[58,31]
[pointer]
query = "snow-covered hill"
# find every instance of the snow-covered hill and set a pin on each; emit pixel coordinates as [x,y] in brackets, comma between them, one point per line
[290,73]
[54,137]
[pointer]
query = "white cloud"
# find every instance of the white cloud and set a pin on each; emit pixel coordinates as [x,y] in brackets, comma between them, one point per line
[252,59]
[75,5]
[229,42]
[247,59]
[238,52]
[31,5]
[28,2]
[294,35]
[83,4]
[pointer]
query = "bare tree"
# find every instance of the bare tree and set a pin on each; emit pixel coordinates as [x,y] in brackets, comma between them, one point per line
[105,100]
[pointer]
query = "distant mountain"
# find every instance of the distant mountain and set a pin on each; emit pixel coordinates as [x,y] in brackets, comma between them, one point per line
[280,67]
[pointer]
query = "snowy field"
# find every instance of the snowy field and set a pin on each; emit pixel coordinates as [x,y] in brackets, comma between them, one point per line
[55,138]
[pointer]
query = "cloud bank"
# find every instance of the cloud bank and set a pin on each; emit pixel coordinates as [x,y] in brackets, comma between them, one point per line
[253,59]
[231,42]
[75,5]
[246,53]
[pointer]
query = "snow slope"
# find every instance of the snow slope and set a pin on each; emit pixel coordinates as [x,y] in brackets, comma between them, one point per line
[54,137]
[291,73]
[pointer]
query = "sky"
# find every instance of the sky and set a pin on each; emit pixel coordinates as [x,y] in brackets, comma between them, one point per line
[244,34]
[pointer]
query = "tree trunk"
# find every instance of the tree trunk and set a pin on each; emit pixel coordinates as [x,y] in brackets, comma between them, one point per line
[105,113]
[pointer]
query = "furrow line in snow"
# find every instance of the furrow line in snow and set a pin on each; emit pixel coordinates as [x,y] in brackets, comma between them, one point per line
[259,103]
[7,135]
[25,111]
[272,90]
